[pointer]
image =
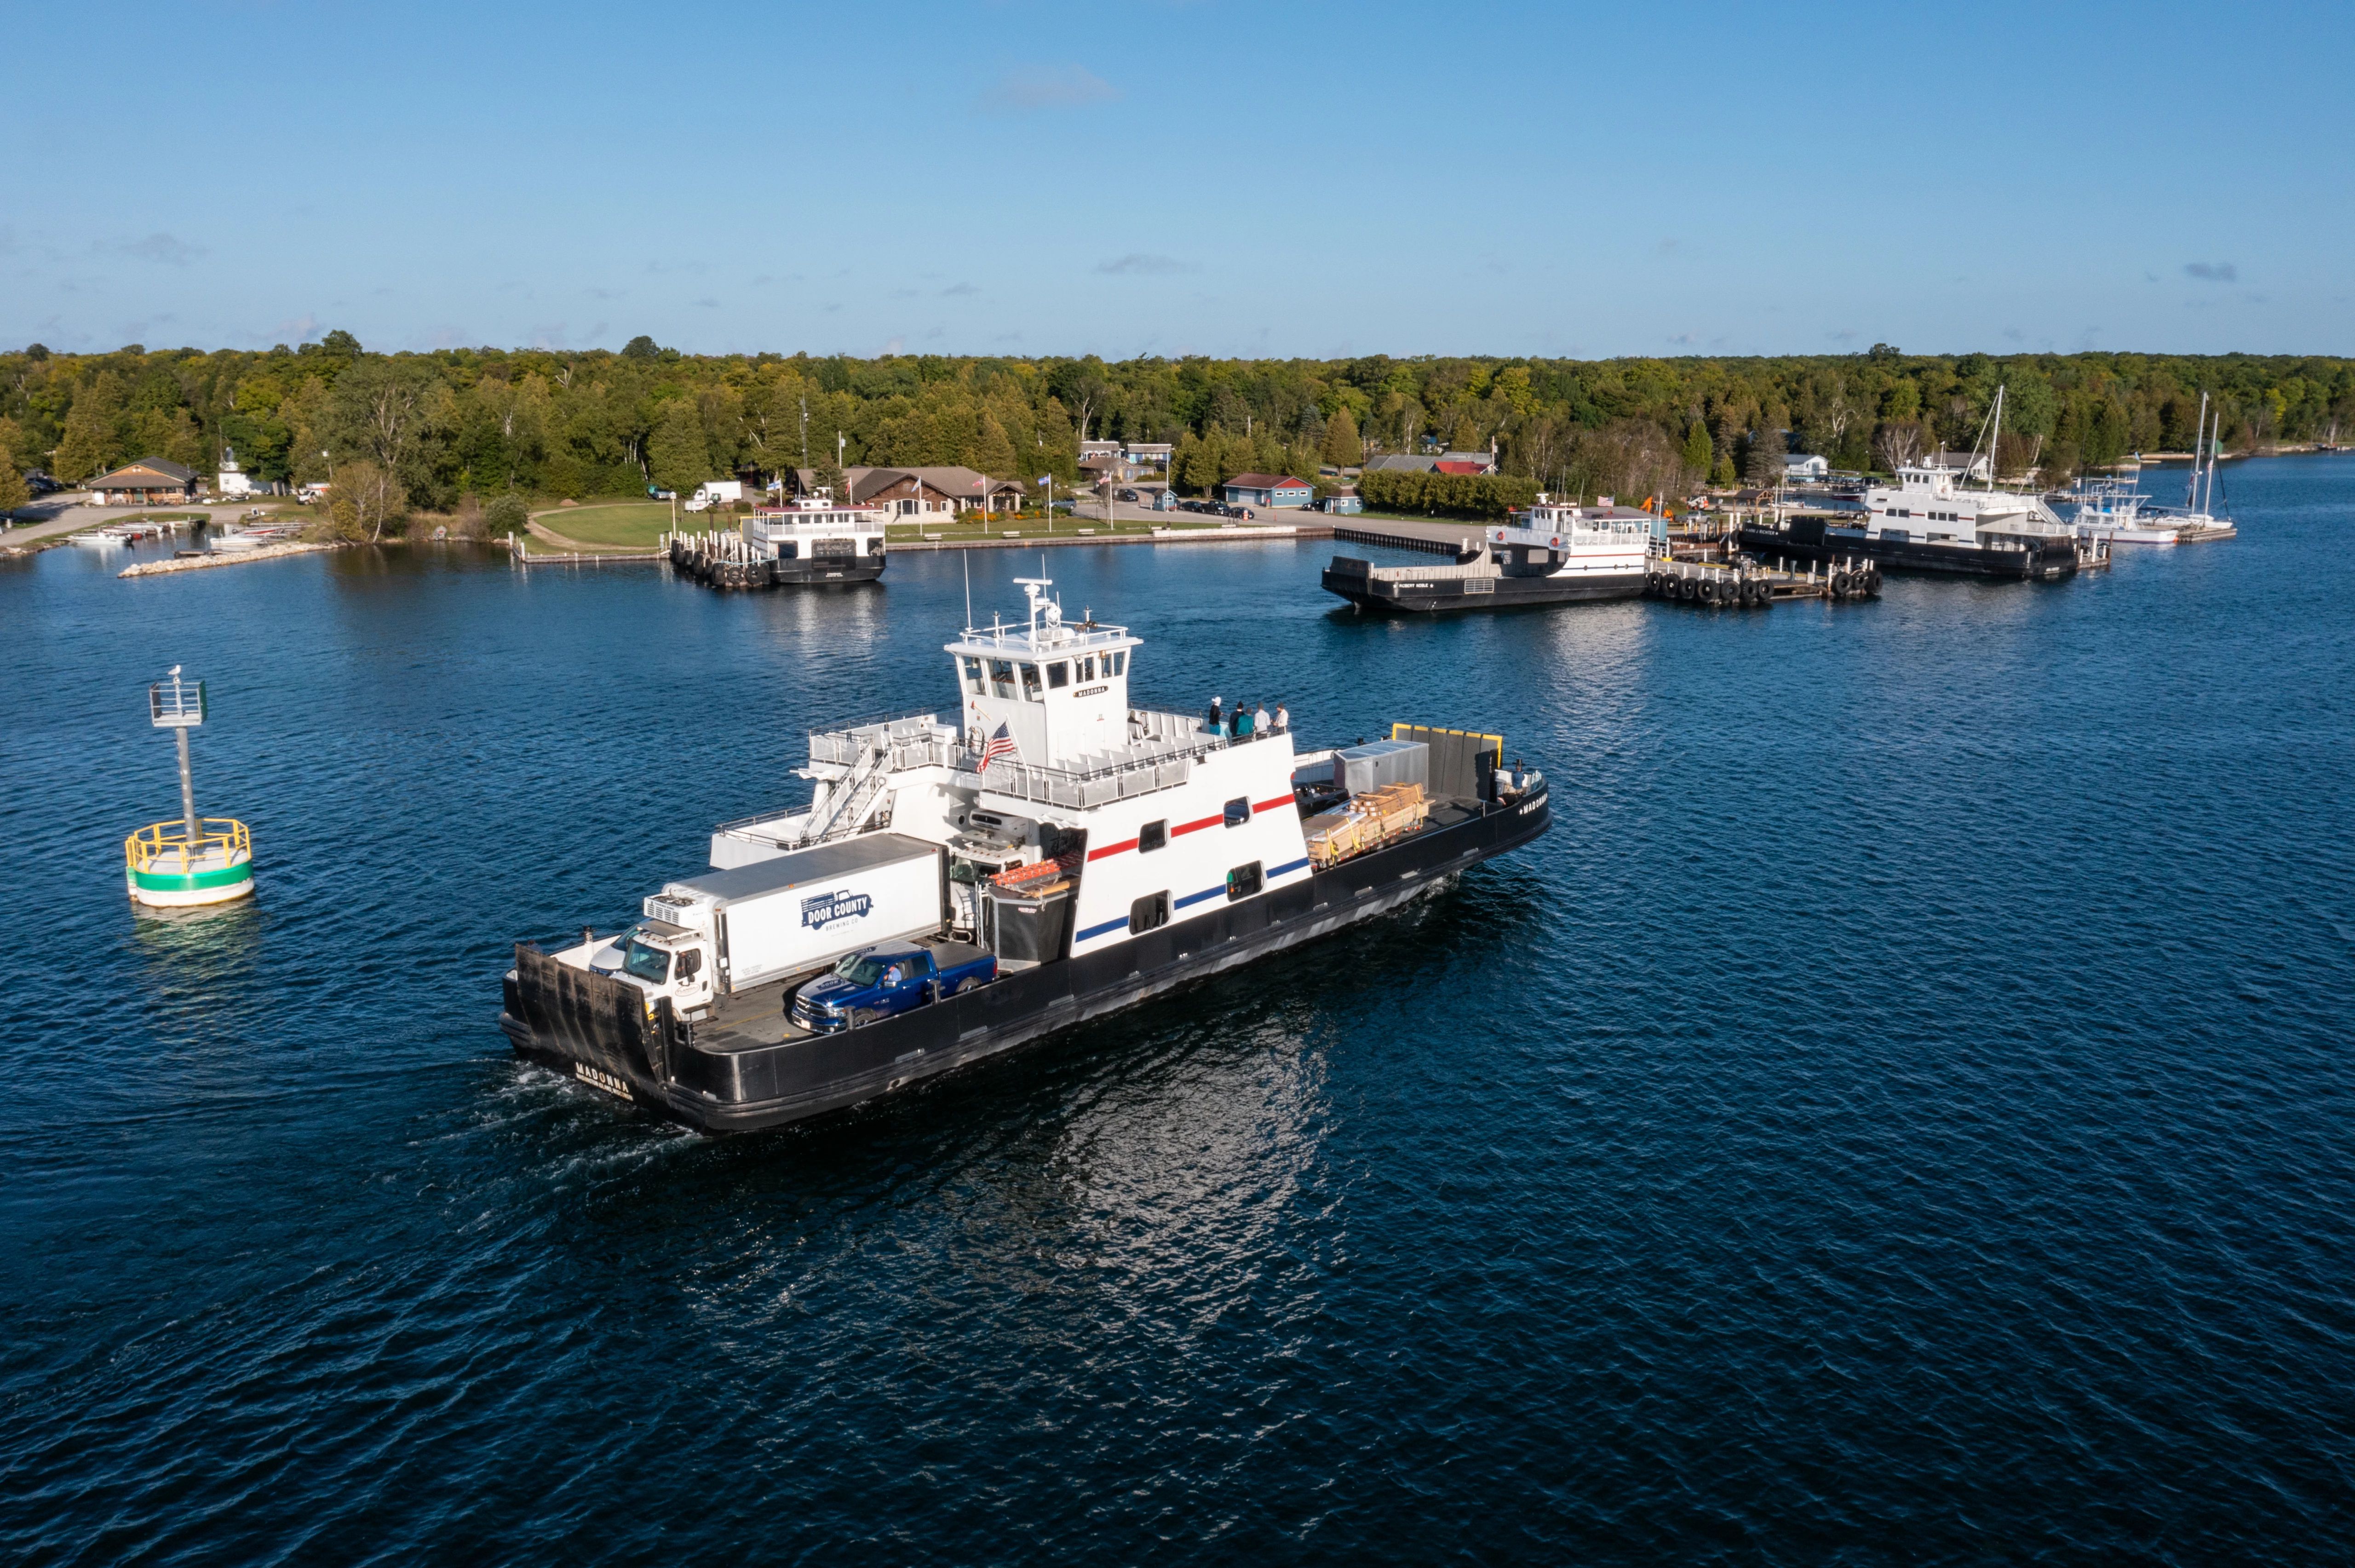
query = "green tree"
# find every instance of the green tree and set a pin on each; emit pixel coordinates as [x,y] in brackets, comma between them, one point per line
[93,435]
[994,453]
[1342,448]
[505,514]
[393,412]
[1699,449]
[13,491]
[677,454]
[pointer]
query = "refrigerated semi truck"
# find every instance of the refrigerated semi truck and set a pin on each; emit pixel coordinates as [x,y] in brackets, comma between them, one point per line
[706,937]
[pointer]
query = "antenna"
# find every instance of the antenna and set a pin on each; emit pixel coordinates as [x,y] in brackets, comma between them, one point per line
[968,588]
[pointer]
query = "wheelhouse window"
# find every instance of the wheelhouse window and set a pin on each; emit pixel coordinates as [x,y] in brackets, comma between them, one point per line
[1058,675]
[1148,913]
[1238,810]
[1001,677]
[1153,836]
[1116,662]
[1244,881]
[1087,669]
[1030,683]
[973,677]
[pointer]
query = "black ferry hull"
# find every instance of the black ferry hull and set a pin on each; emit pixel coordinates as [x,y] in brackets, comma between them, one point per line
[1809,540]
[1442,595]
[715,1088]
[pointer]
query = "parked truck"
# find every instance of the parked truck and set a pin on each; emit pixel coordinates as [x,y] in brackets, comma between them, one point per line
[714,493]
[707,938]
[887,979]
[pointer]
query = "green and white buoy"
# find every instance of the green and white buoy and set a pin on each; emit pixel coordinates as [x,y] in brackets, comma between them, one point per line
[196,860]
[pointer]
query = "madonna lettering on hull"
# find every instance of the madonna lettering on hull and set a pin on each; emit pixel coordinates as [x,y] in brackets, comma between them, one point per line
[832,908]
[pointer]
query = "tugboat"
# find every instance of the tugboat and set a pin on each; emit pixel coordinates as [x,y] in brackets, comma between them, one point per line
[1931,520]
[1551,553]
[965,887]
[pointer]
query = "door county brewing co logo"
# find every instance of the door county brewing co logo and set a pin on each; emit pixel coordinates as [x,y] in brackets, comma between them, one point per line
[832,908]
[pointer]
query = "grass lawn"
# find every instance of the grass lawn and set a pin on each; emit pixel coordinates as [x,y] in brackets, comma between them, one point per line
[624,524]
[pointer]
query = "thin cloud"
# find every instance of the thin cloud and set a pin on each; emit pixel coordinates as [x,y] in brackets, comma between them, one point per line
[953,289]
[2213,271]
[163,250]
[1029,89]
[1144,264]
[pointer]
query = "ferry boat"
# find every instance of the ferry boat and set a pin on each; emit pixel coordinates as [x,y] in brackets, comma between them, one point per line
[815,540]
[1101,851]
[1931,520]
[1550,553]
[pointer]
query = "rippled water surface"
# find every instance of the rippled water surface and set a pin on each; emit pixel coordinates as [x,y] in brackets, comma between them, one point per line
[1903,1111]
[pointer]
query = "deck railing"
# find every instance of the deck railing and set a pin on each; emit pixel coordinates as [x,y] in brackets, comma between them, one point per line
[166,848]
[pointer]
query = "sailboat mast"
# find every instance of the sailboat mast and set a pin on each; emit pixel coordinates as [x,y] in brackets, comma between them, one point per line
[2208,500]
[2191,489]
[1994,436]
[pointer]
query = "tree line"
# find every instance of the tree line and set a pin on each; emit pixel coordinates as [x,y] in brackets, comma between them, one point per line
[488,423]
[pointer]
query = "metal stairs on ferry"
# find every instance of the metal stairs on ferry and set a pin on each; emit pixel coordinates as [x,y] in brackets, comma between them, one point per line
[845,804]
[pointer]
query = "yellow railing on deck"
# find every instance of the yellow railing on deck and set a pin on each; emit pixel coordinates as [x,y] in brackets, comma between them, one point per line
[179,855]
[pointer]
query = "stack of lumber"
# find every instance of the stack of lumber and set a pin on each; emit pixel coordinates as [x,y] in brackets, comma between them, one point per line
[1367,822]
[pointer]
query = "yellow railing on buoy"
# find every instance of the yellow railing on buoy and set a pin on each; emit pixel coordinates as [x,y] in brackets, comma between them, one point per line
[166,849]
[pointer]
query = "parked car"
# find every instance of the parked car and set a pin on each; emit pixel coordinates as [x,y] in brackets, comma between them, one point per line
[1123,495]
[654,494]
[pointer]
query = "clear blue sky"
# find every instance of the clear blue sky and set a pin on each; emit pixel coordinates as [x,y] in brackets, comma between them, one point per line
[1225,178]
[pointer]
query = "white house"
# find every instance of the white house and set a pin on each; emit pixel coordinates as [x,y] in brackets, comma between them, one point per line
[1801,468]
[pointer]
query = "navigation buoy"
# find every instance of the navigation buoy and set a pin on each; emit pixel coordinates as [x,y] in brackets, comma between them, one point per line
[196,860]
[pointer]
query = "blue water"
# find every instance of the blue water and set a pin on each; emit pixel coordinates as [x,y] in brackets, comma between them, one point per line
[1903,1112]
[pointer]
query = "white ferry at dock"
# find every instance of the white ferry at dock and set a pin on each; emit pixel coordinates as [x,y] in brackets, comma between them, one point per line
[815,540]
[1553,553]
[1099,852]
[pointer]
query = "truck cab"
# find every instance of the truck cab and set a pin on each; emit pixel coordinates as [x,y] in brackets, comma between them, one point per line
[888,979]
[663,960]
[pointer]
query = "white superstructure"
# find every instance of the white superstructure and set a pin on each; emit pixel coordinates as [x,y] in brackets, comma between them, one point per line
[1577,541]
[815,527]
[1146,813]
[1933,505]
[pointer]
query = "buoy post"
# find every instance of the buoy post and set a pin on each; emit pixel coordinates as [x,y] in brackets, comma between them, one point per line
[196,860]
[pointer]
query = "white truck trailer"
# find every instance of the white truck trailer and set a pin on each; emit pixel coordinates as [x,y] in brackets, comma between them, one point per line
[720,933]
[714,493]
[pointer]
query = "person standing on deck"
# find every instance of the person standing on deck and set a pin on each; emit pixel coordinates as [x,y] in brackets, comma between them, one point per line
[1259,720]
[1218,720]
[1242,723]
[1282,719]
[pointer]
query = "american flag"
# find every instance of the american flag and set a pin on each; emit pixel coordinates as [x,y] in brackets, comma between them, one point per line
[1000,745]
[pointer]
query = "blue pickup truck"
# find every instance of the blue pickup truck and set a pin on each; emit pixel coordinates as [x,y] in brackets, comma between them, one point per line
[891,978]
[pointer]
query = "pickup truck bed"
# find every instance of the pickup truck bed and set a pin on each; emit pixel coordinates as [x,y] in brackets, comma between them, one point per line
[757,1017]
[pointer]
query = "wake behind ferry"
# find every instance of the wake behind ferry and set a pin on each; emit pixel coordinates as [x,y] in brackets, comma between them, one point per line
[956,889]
